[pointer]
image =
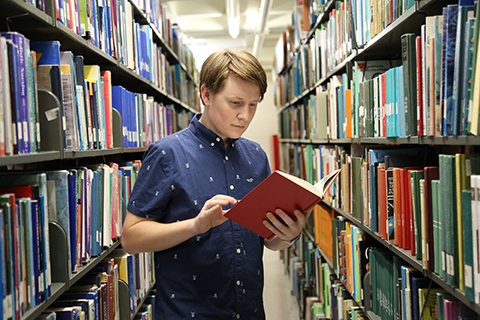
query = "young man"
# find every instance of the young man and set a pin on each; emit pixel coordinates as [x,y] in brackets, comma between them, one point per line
[207,267]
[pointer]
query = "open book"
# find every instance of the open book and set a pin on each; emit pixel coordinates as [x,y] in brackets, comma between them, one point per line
[279,190]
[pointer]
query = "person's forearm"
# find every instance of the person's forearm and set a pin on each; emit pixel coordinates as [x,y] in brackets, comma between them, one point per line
[150,236]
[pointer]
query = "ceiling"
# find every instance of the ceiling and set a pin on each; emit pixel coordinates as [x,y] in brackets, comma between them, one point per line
[205,24]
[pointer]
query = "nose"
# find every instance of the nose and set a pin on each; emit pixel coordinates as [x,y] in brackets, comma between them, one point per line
[243,113]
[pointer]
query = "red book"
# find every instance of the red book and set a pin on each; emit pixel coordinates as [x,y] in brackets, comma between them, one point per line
[419,86]
[430,173]
[397,207]
[348,110]
[107,90]
[382,202]
[279,190]
[276,152]
[408,207]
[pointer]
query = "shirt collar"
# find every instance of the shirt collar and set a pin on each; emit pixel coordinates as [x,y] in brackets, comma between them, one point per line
[207,135]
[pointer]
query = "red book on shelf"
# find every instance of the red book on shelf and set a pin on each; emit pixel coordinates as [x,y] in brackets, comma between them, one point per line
[397,207]
[107,90]
[278,191]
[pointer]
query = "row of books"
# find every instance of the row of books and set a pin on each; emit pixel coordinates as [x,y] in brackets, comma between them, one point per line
[412,198]
[85,93]
[138,271]
[96,296]
[152,64]
[169,31]
[24,248]
[402,292]
[434,96]
[330,299]
[88,203]
[350,24]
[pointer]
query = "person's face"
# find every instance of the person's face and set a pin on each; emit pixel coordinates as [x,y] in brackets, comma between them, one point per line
[229,112]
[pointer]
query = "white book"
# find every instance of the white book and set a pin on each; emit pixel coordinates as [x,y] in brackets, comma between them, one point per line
[5,102]
[475,187]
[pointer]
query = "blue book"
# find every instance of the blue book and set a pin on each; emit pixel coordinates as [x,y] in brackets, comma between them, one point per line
[468,78]
[85,292]
[401,124]
[15,97]
[36,246]
[131,281]
[20,41]
[58,204]
[96,249]
[26,208]
[3,264]
[45,248]
[450,38]
[465,9]
[73,217]
[118,102]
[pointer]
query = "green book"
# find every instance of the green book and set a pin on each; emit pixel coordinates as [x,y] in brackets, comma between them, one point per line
[468,244]
[415,177]
[437,226]
[449,218]
[357,190]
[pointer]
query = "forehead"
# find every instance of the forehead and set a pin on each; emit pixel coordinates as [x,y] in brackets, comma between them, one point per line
[239,87]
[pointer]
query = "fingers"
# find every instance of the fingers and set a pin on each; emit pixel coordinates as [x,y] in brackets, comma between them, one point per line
[221,200]
[283,225]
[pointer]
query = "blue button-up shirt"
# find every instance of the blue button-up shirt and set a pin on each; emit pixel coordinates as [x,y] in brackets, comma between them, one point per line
[218,274]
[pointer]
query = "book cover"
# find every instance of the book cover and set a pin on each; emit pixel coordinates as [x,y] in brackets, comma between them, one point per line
[21,106]
[465,11]
[449,217]
[6,97]
[430,173]
[279,190]
[58,204]
[468,244]
[107,84]
[415,177]
[409,82]
[15,95]
[450,37]
[84,120]
[70,101]
[419,73]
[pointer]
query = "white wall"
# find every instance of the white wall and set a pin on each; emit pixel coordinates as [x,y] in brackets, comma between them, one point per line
[265,123]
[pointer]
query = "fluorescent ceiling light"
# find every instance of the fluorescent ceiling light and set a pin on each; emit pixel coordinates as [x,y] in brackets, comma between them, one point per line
[233,15]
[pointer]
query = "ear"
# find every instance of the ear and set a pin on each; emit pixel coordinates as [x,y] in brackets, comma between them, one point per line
[206,95]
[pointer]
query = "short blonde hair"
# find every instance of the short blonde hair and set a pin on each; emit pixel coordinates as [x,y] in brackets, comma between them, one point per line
[219,65]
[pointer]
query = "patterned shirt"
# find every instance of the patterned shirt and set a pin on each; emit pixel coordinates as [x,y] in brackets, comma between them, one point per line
[217,274]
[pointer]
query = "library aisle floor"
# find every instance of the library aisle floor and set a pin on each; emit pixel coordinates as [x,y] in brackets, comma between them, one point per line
[279,302]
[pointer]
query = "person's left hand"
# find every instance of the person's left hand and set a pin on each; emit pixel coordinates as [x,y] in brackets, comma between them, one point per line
[283,226]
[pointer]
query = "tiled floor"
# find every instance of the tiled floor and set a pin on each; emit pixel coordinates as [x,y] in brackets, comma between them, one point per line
[279,303]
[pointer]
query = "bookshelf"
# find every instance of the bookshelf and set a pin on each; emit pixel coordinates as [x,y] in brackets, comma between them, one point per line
[318,72]
[165,98]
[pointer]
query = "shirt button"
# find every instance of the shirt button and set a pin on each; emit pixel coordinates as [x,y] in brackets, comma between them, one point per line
[239,250]
[238,316]
[238,282]
[226,157]
[218,139]
[232,187]
[212,144]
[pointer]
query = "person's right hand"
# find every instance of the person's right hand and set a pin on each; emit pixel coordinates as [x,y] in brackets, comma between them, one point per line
[212,213]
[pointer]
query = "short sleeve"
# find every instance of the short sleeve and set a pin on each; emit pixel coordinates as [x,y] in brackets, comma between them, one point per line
[151,194]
